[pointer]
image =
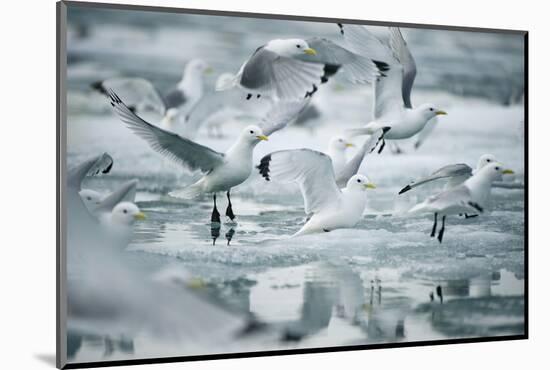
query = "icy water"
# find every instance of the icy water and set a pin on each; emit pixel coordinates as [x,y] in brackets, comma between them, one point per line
[377,283]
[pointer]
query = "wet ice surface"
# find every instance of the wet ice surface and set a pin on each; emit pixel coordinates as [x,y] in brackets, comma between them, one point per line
[371,284]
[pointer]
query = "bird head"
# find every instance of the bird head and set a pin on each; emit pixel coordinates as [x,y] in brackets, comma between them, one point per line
[340,143]
[290,47]
[198,67]
[494,171]
[359,183]
[253,134]
[126,213]
[484,160]
[430,111]
[90,198]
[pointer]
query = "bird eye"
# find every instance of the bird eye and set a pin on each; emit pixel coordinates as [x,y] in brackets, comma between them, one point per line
[497,168]
[359,180]
[124,211]
[488,160]
[298,46]
[251,131]
[431,109]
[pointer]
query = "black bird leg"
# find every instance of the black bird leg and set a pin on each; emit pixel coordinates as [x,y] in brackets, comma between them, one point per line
[215,214]
[229,211]
[382,146]
[435,225]
[467,216]
[442,231]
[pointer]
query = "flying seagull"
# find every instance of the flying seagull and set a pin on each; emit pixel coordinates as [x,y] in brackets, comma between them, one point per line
[327,207]
[292,69]
[222,171]
[470,197]
[392,105]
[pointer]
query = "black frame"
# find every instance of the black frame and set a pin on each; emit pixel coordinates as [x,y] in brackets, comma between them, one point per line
[60,168]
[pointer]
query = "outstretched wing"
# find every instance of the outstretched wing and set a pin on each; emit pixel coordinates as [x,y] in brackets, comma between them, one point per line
[404,56]
[93,166]
[138,93]
[352,166]
[356,68]
[450,171]
[183,151]
[281,114]
[388,88]
[286,78]
[310,169]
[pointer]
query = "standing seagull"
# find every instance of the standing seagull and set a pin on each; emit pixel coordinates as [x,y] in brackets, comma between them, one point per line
[327,207]
[470,197]
[222,171]
[392,105]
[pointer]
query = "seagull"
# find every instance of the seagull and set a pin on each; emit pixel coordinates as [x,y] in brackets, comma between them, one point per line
[392,105]
[98,203]
[327,207]
[288,69]
[470,197]
[222,171]
[119,221]
[140,94]
[455,174]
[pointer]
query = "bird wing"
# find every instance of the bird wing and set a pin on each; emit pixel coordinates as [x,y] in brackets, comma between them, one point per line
[402,53]
[286,78]
[388,88]
[457,196]
[281,114]
[449,171]
[125,193]
[352,166]
[136,92]
[183,151]
[93,166]
[357,69]
[312,171]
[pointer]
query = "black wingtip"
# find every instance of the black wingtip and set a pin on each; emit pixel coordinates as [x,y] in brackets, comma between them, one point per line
[108,168]
[313,91]
[263,167]
[98,86]
[341,26]
[382,66]
[476,206]
[386,129]
[405,189]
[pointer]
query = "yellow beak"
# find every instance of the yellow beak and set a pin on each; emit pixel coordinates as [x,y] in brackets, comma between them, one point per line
[440,113]
[507,172]
[370,185]
[262,137]
[350,145]
[310,51]
[140,216]
[208,71]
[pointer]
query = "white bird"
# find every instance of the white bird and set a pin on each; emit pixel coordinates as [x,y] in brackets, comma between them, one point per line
[222,171]
[327,207]
[141,95]
[392,105]
[455,174]
[118,223]
[289,70]
[470,197]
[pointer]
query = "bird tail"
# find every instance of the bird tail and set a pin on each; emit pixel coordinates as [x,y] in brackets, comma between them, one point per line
[226,83]
[189,192]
